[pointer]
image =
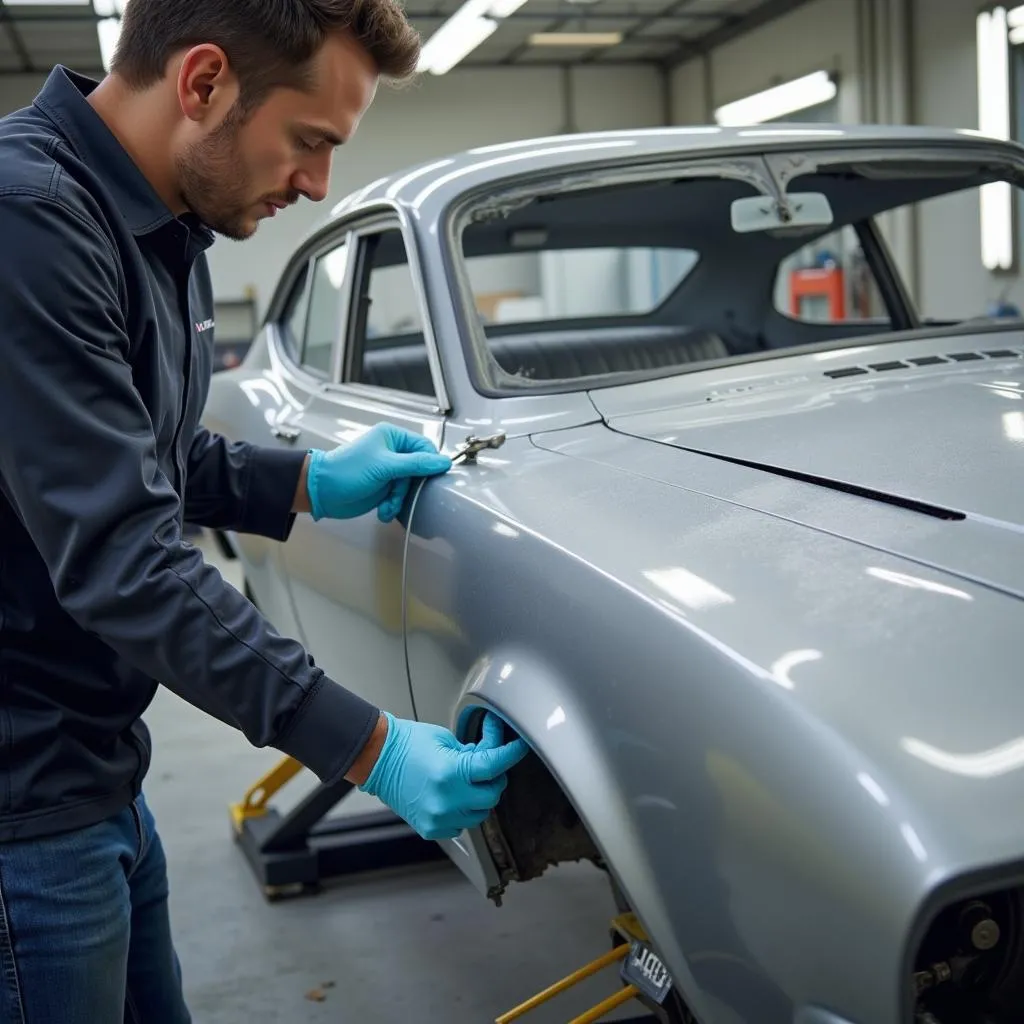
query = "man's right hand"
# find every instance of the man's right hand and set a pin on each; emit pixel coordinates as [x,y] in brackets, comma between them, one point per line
[437,784]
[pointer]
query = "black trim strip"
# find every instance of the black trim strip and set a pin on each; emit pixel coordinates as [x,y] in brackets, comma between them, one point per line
[912,505]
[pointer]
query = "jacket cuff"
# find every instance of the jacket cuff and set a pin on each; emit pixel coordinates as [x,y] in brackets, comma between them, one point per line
[270,493]
[329,730]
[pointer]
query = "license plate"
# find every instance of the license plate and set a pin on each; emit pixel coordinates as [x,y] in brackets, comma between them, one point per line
[644,969]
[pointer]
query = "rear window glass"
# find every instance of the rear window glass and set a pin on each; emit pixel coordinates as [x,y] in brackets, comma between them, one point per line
[567,284]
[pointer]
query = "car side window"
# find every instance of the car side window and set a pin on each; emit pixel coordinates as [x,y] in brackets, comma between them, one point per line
[389,346]
[292,323]
[829,281]
[323,319]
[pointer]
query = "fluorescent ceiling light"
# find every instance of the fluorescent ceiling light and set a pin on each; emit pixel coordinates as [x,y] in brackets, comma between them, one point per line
[453,42]
[1015,18]
[503,8]
[780,100]
[993,74]
[108,28]
[46,3]
[1017,35]
[463,32]
[997,225]
[109,32]
[575,38]
[993,56]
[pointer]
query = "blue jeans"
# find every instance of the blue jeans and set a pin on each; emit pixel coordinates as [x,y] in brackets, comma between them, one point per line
[84,931]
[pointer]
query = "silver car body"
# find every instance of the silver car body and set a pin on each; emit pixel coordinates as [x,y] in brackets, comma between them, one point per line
[760,622]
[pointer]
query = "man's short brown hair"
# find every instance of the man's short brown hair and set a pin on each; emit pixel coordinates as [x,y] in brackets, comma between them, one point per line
[269,43]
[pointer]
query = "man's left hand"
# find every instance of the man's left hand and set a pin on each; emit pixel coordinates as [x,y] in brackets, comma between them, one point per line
[374,472]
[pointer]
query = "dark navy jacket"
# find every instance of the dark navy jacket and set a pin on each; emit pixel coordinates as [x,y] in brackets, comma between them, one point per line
[105,362]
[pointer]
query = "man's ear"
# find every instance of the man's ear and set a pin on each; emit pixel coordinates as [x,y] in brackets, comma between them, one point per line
[207,85]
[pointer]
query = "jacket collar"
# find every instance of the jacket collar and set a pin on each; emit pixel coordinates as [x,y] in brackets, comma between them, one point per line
[63,99]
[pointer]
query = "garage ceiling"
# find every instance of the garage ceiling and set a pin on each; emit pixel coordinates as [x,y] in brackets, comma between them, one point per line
[662,32]
[36,35]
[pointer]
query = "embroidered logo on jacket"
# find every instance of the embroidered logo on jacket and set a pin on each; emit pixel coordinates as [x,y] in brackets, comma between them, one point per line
[205,325]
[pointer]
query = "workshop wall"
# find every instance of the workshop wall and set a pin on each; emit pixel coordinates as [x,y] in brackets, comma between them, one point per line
[819,35]
[18,91]
[689,101]
[952,277]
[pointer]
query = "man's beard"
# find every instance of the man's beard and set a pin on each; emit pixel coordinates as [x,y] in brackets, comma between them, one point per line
[215,184]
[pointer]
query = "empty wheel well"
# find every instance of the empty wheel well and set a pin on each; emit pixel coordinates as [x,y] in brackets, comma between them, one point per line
[534,826]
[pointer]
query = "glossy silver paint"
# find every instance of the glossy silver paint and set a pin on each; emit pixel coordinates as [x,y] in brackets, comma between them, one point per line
[790,714]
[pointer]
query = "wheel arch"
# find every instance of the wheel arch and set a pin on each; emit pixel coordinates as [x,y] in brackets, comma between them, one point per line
[535,701]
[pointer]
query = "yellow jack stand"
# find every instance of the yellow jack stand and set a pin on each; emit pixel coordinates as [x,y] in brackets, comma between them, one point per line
[254,803]
[297,852]
[630,930]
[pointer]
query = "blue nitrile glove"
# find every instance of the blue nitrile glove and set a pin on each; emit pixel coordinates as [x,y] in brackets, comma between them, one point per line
[374,472]
[437,784]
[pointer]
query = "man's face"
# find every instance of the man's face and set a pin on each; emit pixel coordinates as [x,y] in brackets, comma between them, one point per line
[239,173]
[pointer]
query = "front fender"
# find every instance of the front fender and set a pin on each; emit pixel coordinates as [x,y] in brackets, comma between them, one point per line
[727,797]
[537,704]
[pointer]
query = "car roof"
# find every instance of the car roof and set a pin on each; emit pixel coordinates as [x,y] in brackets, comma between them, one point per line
[427,188]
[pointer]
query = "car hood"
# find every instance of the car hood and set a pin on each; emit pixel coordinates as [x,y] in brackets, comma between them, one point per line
[942,443]
[952,439]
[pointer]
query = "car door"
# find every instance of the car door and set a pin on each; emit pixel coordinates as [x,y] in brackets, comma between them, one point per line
[300,341]
[367,344]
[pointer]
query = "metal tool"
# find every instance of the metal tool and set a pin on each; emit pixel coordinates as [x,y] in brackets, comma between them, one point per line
[472,446]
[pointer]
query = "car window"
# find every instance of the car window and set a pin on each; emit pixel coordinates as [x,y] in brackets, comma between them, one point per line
[389,344]
[293,322]
[588,281]
[829,281]
[323,319]
[592,282]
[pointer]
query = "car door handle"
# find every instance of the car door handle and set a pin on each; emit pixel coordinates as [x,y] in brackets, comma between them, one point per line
[286,431]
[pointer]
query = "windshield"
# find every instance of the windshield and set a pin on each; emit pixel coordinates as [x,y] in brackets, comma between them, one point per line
[618,282]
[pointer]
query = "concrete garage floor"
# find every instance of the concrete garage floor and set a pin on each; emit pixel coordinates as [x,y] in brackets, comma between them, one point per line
[419,945]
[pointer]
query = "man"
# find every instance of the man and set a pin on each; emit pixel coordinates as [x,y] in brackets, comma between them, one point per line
[213,117]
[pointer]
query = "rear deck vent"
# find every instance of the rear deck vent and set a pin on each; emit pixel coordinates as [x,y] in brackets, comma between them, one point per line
[897,364]
[848,371]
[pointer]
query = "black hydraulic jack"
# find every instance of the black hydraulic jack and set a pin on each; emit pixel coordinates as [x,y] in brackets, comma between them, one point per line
[297,852]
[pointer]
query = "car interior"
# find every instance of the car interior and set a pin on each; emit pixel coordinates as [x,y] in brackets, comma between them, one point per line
[724,306]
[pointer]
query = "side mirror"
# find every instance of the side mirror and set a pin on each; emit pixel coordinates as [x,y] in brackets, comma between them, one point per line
[797,211]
